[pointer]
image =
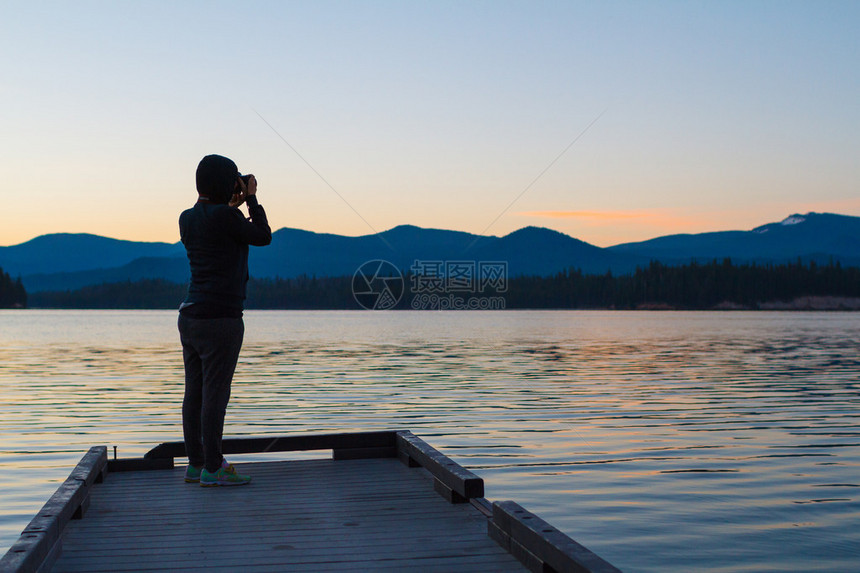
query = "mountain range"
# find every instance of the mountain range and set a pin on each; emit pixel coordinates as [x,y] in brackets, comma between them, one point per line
[67,261]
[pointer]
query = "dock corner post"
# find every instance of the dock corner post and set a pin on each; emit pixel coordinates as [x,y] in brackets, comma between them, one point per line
[451,480]
[402,438]
[450,494]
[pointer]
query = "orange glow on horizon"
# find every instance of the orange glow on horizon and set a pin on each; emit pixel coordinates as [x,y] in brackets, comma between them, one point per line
[599,215]
[610,227]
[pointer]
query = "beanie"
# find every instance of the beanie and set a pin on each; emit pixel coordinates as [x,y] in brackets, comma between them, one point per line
[216,178]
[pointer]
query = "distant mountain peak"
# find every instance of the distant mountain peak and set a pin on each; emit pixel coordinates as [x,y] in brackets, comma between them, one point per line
[811,236]
[543,235]
[535,231]
[795,219]
[405,227]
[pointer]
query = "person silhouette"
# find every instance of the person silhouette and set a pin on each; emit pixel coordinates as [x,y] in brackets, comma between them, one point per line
[216,236]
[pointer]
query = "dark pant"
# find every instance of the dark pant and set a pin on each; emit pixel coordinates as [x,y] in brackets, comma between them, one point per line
[210,349]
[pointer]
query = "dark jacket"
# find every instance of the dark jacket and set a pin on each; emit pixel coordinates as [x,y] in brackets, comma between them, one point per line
[216,238]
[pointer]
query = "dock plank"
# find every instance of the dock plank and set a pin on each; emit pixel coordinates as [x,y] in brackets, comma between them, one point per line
[305,515]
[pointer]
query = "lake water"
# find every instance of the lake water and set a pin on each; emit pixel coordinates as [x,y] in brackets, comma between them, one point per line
[662,441]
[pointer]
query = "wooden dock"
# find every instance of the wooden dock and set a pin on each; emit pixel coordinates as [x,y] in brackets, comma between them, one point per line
[384,501]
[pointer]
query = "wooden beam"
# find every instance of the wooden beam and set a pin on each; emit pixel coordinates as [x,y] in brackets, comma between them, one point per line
[528,537]
[139,464]
[38,544]
[448,472]
[523,555]
[363,453]
[92,466]
[384,439]
[28,553]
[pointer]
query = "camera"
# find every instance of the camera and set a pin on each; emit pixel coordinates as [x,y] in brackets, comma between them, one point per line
[245,179]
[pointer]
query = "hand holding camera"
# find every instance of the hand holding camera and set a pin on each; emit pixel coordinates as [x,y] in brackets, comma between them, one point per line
[245,185]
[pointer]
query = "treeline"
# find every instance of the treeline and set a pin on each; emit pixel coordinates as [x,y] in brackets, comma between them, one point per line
[719,284]
[301,293]
[12,292]
[147,293]
[297,293]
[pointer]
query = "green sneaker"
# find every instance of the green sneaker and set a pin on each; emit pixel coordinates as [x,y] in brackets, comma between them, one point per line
[226,475]
[192,474]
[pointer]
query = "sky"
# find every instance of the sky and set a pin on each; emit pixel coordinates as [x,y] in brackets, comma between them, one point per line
[608,121]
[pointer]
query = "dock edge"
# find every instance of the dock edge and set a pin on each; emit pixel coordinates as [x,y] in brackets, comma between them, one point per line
[539,546]
[40,543]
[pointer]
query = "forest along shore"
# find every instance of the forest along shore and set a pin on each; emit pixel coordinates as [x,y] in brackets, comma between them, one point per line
[719,285]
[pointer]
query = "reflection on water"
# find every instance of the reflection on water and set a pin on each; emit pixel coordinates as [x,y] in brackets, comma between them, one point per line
[663,441]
